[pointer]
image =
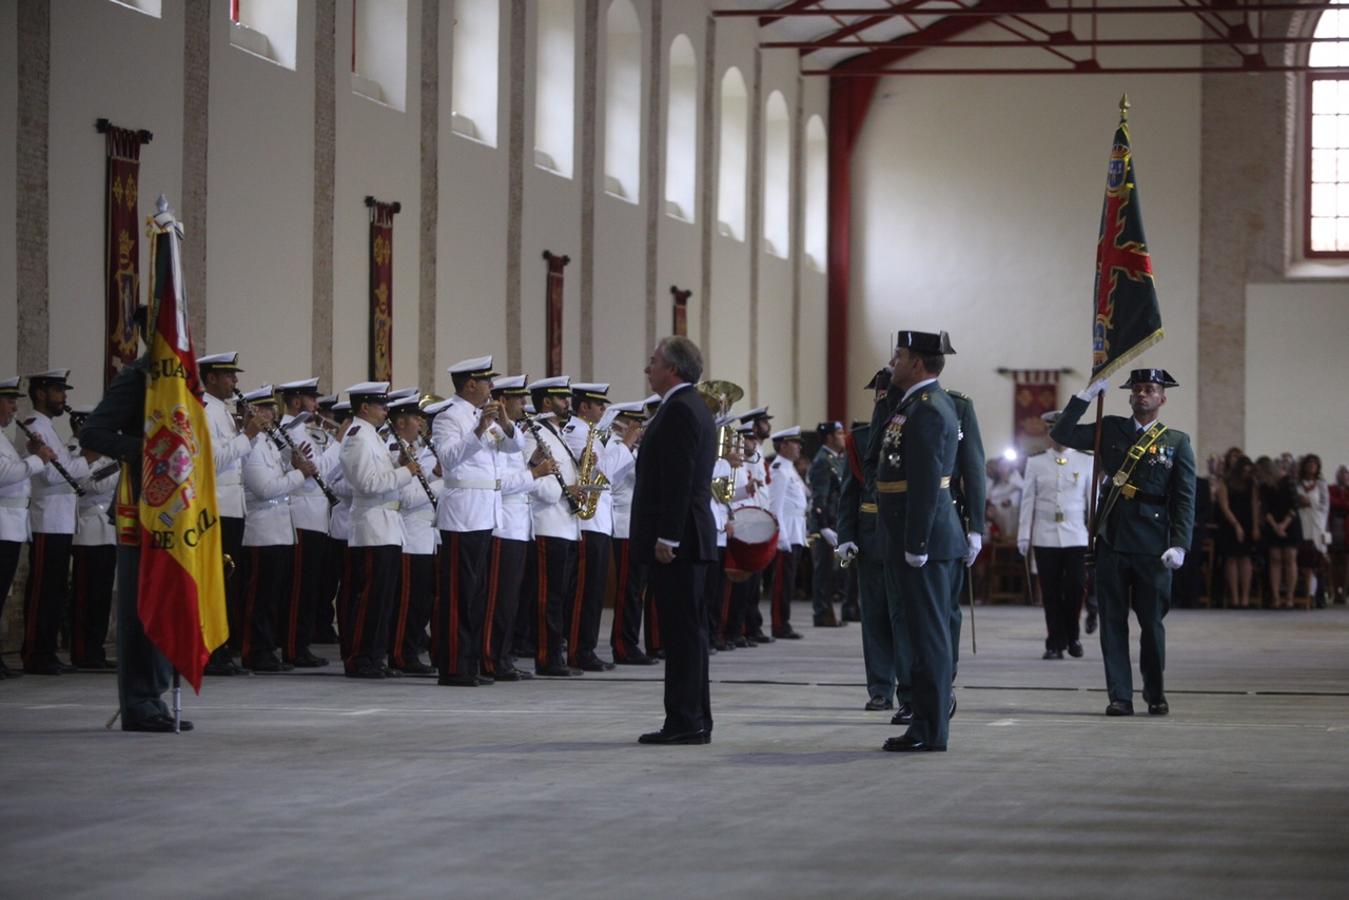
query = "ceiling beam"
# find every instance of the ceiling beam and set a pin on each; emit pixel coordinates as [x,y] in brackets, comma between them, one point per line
[1023,8]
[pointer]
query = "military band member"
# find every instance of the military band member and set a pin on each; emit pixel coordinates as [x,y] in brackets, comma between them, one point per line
[466,435]
[1054,524]
[826,482]
[309,512]
[595,552]
[968,486]
[557,531]
[742,622]
[375,544]
[760,421]
[51,514]
[230,445]
[1143,530]
[93,555]
[913,444]
[339,532]
[16,474]
[788,502]
[716,587]
[626,421]
[417,581]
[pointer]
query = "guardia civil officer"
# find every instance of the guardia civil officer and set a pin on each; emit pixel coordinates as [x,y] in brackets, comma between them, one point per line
[826,482]
[1143,529]
[968,489]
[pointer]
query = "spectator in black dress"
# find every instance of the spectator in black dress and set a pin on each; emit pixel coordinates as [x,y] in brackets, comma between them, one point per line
[1282,531]
[1238,505]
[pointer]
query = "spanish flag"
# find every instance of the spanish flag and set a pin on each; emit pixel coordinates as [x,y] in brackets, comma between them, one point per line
[182,581]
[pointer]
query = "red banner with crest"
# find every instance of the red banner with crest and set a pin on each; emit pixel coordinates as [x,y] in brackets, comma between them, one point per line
[1034,393]
[121,247]
[381,288]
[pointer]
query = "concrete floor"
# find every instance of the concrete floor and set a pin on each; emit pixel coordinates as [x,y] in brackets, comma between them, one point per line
[311,784]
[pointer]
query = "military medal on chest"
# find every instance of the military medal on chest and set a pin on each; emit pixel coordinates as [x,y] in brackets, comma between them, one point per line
[892,443]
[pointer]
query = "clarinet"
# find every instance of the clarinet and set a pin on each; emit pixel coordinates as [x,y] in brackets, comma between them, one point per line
[283,443]
[421,476]
[533,427]
[56,463]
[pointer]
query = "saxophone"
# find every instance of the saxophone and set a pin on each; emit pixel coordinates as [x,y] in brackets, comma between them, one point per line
[588,477]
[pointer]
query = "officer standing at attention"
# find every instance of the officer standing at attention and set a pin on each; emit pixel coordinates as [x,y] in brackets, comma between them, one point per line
[968,489]
[1143,528]
[826,482]
[788,501]
[913,443]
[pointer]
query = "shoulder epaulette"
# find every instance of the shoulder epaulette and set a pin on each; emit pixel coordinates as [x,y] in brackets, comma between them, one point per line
[776,463]
[355,429]
[1036,453]
[959,395]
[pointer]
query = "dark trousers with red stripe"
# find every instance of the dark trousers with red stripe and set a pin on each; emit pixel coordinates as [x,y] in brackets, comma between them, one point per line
[9,564]
[714,579]
[784,586]
[297,619]
[236,582]
[373,585]
[556,587]
[344,601]
[679,591]
[461,601]
[505,582]
[269,586]
[524,643]
[44,599]
[330,582]
[592,580]
[742,596]
[752,594]
[91,579]
[630,586]
[416,599]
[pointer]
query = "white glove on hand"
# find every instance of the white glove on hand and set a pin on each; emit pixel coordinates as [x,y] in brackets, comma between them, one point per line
[830,536]
[1174,558]
[846,551]
[917,561]
[1023,546]
[1094,390]
[975,544]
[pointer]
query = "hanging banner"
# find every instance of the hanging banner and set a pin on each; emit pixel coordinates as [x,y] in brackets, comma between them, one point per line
[553,311]
[121,241]
[1034,392]
[381,288]
[681,311]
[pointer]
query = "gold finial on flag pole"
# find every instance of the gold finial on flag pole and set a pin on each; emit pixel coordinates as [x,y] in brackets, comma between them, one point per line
[1124,105]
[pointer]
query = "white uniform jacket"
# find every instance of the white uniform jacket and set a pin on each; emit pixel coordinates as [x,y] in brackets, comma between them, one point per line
[574,434]
[1054,499]
[755,472]
[229,448]
[339,517]
[468,463]
[721,513]
[51,509]
[375,488]
[788,502]
[518,487]
[16,474]
[268,482]
[308,507]
[621,470]
[92,526]
[1004,505]
[551,513]
[419,516]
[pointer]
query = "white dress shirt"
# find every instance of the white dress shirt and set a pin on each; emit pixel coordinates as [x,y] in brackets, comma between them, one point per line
[375,488]
[419,516]
[1054,499]
[339,517]
[16,474]
[472,498]
[621,470]
[268,482]
[309,508]
[92,526]
[788,501]
[548,506]
[518,486]
[52,507]
[229,448]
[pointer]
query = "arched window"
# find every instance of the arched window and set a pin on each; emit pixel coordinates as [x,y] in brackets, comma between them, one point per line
[734,134]
[1328,139]
[777,177]
[555,87]
[681,131]
[265,28]
[623,101]
[817,193]
[379,51]
[473,86]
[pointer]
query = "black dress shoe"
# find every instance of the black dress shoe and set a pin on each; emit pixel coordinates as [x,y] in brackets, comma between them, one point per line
[266,663]
[826,622]
[7,672]
[558,671]
[1052,654]
[1075,649]
[47,668]
[786,634]
[155,724]
[1091,622]
[635,659]
[66,668]
[390,672]
[458,680]
[1119,708]
[94,665]
[416,667]
[657,654]
[906,744]
[308,660]
[1160,708]
[722,646]
[219,669]
[675,737]
[852,614]
[759,637]
[951,711]
[742,642]
[514,674]
[371,672]
[877,703]
[595,664]
[903,715]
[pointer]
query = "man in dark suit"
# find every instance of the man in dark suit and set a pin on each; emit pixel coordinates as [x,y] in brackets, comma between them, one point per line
[673,533]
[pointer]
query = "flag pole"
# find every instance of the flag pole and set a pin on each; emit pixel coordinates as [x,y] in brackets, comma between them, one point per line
[177,703]
[1095,482]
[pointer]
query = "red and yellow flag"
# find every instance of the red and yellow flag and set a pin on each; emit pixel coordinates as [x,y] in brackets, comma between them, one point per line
[182,581]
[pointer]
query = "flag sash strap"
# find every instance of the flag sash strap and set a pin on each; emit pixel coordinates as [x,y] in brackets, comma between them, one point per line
[1119,485]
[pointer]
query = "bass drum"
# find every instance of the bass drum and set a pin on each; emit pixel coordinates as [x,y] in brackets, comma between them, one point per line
[752,545]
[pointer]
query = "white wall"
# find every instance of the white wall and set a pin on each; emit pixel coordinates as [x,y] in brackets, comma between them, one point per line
[1296,371]
[9,127]
[976,206]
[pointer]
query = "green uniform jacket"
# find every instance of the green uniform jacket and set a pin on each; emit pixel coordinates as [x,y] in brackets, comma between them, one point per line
[855,526]
[1161,514]
[915,441]
[968,484]
[826,484]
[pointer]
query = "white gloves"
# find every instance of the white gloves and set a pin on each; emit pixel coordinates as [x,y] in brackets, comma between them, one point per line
[1094,390]
[1023,546]
[1174,558]
[830,536]
[917,561]
[976,543]
[846,551]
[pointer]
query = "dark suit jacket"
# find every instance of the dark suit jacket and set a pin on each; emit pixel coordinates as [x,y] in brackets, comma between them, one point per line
[116,427]
[673,495]
[967,481]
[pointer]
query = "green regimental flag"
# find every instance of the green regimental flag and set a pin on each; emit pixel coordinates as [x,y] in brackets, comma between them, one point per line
[1127,318]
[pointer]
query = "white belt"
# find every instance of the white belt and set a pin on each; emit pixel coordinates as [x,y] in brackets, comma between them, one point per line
[14,502]
[472,484]
[358,506]
[515,499]
[423,513]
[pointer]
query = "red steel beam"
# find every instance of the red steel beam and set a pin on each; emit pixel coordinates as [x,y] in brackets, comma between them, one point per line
[782,12]
[1022,8]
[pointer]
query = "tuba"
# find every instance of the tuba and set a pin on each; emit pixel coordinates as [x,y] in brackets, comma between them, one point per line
[589,478]
[720,396]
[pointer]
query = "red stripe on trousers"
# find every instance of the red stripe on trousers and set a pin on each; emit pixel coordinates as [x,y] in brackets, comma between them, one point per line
[403,597]
[488,666]
[779,564]
[364,601]
[574,635]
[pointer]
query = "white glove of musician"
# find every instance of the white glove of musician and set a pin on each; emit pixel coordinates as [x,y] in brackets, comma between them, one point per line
[917,560]
[1023,546]
[845,551]
[830,536]
[1174,558]
[1093,390]
[975,544]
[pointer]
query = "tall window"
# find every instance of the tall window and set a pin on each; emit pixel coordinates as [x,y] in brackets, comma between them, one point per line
[681,131]
[734,135]
[555,87]
[473,88]
[1328,139]
[379,50]
[265,28]
[777,177]
[817,193]
[622,101]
